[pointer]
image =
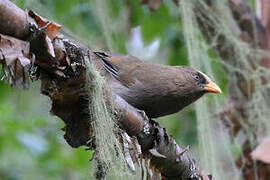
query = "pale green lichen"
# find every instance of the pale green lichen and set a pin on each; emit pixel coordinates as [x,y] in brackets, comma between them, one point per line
[109,151]
[217,151]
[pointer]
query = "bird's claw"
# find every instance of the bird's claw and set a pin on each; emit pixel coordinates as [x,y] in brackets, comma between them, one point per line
[143,114]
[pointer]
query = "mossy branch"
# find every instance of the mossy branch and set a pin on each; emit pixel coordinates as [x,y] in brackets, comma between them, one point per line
[59,63]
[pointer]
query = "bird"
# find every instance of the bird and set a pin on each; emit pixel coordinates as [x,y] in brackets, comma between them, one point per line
[156,89]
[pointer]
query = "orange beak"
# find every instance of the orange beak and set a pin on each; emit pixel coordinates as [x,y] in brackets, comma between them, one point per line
[211,87]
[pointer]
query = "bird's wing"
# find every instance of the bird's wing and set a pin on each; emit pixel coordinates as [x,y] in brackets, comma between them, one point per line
[112,69]
[121,67]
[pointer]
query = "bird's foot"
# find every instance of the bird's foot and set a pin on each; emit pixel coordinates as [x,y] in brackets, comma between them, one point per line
[143,114]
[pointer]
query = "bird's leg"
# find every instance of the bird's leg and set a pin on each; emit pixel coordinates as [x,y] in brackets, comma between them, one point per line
[146,128]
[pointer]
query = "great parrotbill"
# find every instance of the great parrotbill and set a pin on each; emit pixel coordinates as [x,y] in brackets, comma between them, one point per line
[156,89]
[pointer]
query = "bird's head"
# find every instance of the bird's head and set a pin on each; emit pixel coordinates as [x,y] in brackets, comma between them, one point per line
[204,83]
[197,83]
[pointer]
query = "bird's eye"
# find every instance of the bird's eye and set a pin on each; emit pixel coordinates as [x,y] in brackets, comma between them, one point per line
[196,76]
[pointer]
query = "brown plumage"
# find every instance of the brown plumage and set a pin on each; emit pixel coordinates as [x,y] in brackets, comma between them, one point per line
[156,89]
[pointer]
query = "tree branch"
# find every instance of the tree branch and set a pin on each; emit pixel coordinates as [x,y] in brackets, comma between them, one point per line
[60,65]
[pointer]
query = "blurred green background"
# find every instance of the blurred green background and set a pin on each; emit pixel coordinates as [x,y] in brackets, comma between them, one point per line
[31,142]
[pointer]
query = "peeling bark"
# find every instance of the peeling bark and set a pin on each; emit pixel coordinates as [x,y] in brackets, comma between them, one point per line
[60,65]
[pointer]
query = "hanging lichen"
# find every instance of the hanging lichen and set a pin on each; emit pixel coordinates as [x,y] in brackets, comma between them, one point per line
[218,153]
[108,157]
